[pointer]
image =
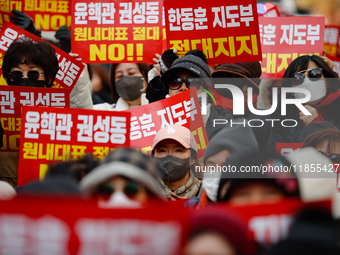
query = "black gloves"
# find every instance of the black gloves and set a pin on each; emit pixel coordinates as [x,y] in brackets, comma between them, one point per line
[25,22]
[64,35]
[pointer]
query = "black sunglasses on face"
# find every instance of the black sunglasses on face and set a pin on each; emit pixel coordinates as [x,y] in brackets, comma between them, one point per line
[130,190]
[314,74]
[31,74]
[335,158]
[189,82]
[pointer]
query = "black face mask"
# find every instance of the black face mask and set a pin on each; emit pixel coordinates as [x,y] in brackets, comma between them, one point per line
[28,83]
[173,169]
[129,87]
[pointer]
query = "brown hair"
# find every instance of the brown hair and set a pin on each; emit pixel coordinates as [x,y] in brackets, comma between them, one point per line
[332,136]
[143,68]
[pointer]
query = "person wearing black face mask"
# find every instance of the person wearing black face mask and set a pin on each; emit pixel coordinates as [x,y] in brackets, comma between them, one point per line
[174,149]
[128,85]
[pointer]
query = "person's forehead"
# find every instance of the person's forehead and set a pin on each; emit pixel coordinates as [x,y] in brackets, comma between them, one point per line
[30,65]
[126,67]
[169,142]
[312,64]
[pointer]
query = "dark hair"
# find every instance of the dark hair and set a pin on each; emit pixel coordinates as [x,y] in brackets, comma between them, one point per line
[332,136]
[301,63]
[76,168]
[143,68]
[26,51]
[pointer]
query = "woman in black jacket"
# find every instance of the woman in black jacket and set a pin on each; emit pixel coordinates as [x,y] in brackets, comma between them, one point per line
[314,74]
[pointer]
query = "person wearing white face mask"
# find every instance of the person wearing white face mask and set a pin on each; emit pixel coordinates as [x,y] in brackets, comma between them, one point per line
[126,179]
[313,73]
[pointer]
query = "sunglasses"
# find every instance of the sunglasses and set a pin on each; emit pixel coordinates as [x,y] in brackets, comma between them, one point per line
[130,190]
[177,83]
[314,74]
[31,74]
[335,158]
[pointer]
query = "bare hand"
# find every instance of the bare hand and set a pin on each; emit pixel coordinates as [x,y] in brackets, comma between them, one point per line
[309,118]
[75,55]
[156,67]
[328,61]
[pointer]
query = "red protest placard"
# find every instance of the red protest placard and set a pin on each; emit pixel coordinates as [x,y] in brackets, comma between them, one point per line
[226,32]
[69,68]
[54,135]
[47,15]
[285,38]
[117,31]
[284,149]
[182,109]
[45,225]
[270,223]
[12,99]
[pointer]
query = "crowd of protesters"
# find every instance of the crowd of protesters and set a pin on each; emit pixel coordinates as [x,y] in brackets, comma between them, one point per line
[127,178]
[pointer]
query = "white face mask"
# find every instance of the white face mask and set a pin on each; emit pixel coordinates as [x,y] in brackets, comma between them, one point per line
[118,199]
[211,183]
[317,90]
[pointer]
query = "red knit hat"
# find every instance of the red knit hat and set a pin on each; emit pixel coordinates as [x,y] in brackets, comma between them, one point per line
[222,221]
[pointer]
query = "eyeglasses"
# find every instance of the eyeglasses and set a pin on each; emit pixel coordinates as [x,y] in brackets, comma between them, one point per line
[314,74]
[177,83]
[333,157]
[31,74]
[130,190]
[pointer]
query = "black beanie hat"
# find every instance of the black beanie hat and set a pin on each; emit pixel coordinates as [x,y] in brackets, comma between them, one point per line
[199,54]
[189,63]
[233,139]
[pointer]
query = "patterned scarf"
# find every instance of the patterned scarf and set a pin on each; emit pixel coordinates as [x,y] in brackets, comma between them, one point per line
[188,190]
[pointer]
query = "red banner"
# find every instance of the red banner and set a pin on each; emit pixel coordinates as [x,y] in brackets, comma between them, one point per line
[226,33]
[270,223]
[284,149]
[182,109]
[69,68]
[54,135]
[117,31]
[47,14]
[12,99]
[285,38]
[72,226]
[32,225]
